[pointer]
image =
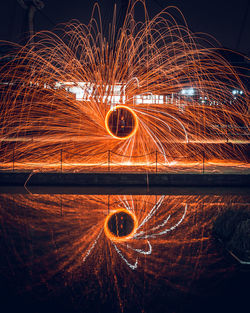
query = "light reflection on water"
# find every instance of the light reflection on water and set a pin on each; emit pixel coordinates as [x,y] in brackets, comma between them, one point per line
[55,244]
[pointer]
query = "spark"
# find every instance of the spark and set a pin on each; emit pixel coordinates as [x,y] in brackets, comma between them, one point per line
[92,246]
[134,234]
[165,230]
[58,91]
[142,251]
[69,241]
[132,266]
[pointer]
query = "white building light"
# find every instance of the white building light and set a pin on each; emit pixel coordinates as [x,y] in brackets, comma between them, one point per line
[237,92]
[188,91]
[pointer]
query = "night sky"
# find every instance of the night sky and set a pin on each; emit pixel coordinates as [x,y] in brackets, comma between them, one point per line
[227,20]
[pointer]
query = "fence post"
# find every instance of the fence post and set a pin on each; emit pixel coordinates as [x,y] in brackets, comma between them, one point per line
[61,160]
[156,157]
[203,162]
[109,160]
[227,133]
[13,159]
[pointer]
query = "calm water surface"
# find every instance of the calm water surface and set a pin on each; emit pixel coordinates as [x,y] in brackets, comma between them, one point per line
[57,257]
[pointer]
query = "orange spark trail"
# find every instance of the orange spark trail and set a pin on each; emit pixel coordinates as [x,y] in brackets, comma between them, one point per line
[59,90]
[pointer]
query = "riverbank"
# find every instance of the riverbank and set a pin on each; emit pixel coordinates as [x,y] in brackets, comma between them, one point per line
[123,179]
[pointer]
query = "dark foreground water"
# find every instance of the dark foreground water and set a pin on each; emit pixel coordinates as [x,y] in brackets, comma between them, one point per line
[56,256]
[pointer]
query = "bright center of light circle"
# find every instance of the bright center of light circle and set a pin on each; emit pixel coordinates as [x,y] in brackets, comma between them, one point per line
[120,225]
[121,122]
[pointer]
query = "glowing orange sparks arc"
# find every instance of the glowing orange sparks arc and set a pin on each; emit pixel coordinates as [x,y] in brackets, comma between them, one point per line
[134,119]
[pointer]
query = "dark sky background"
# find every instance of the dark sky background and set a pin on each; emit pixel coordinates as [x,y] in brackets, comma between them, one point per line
[227,20]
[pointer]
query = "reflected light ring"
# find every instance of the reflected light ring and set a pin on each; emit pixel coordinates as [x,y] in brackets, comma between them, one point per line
[110,235]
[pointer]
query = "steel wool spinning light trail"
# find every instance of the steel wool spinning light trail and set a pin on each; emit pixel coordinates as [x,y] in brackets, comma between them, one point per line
[80,90]
[69,236]
[92,230]
[168,240]
[121,227]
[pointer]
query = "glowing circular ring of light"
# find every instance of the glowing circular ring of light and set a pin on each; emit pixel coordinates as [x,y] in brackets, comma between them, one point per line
[134,117]
[110,235]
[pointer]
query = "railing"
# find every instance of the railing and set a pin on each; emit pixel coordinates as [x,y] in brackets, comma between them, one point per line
[110,161]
